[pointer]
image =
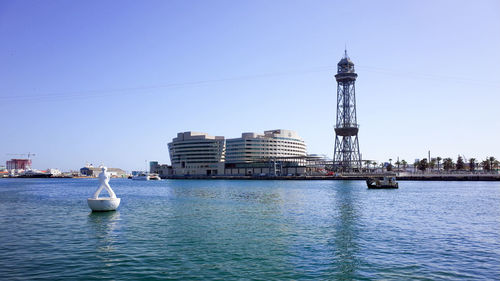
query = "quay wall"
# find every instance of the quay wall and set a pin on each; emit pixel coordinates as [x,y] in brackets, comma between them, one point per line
[462,177]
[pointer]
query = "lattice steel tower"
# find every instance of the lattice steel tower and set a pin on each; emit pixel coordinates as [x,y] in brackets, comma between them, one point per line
[346,157]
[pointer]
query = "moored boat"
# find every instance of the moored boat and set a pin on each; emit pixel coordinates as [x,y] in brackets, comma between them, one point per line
[385,183]
[154,177]
[34,174]
[145,176]
[141,177]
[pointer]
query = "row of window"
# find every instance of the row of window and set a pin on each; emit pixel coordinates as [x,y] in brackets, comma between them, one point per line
[200,166]
[265,144]
[196,161]
[191,160]
[195,142]
[175,157]
[210,151]
[229,159]
[265,141]
[265,149]
[214,151]
[196,146]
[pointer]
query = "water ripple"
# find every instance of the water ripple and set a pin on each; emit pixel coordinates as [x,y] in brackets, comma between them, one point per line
[264,230]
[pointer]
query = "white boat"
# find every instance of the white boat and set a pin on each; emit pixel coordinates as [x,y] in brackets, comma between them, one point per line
[34,174]
[141,177]
[154,177]
[146,177]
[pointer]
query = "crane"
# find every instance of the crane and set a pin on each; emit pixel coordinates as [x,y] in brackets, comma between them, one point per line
[25,164]
[29,154]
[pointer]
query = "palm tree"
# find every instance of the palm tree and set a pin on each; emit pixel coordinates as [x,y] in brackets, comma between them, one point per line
[397,163]
[472,164]
[367,163]
[438,160]
[486,164]
[374,163]
[493,163]
[460,163]
[404,163]
[448,164]
[423,165]
[432,164]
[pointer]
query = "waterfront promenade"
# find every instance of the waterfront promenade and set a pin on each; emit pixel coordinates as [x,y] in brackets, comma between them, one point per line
[363,176]
[353,176]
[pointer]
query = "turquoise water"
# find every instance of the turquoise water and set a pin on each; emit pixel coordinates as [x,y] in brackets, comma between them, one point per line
[266,230]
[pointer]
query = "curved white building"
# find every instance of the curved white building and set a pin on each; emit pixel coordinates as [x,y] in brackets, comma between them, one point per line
[252,147]
[194,153]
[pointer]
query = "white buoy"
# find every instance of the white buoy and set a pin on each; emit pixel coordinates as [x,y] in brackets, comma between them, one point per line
[104,203]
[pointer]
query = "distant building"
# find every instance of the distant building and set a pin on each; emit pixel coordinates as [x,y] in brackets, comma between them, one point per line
[54,172]
[194,153]
[18,164]
[163,170]
[3,172]
[91,171]
[153,165]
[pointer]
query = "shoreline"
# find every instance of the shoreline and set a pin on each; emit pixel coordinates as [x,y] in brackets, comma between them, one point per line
[463,177]
[490,177]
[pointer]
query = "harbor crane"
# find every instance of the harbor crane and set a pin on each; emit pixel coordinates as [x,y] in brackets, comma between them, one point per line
[29,154]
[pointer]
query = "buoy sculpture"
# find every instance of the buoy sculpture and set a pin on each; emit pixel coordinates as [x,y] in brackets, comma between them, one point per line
[104,203]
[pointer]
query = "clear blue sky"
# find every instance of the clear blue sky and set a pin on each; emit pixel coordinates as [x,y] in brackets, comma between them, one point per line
[114,81]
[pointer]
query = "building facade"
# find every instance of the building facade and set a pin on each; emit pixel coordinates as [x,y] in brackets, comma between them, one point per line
[18,164]
[253,147]
[91,171]
[163,170]
[193,153]
[276,152]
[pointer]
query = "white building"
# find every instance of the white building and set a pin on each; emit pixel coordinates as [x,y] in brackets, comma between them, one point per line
[276,152]
[92,171]
[194,153]
[54,172]
[253,147]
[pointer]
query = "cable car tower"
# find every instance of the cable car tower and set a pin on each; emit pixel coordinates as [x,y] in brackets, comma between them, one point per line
[346,156]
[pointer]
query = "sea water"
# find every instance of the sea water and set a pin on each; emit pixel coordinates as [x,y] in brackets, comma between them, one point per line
[265,230]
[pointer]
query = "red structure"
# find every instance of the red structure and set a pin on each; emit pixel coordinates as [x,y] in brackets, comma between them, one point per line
[18,164]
